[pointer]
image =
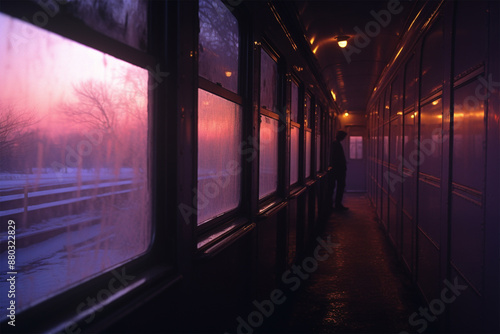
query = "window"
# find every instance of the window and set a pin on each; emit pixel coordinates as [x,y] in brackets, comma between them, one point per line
[294,155]
[269,125]
[355,147]
[295,102]
[125,21]
[75,158]
[268,82]
[218,45]
[308,153]
[268,163]
[295,133]
[219,118]
[219,137]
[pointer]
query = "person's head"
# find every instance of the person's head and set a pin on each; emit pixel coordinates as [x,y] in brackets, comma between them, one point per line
[341,135]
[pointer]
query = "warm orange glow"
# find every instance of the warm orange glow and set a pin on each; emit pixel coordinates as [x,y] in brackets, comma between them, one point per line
[346,114]
[315,49]
[342,44]
[228,74]
[434,103]
[333,95]
[312,40]
[400,113]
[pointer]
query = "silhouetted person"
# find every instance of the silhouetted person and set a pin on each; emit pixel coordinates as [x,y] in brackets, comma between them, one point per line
[339,168]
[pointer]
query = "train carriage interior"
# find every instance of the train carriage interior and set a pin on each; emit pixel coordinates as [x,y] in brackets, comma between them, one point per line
[177,166]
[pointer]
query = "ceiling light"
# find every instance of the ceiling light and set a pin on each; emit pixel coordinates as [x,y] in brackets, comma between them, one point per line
[346,114]
[342,40]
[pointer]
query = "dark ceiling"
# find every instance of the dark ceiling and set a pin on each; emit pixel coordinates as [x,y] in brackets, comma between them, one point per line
[352,72]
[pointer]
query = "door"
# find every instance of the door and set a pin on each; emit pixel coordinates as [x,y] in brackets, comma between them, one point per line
[356,158]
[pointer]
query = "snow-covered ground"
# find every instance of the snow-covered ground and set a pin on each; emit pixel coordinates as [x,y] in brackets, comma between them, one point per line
[76,246]
[47,176]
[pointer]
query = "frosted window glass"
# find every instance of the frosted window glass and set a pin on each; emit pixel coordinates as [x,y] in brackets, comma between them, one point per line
[295,102]
[294,155]
[268,82]
[219,137]
[308,154]
[74,167]
[268,163]
[355,147]
[318,152]
[123,20]
[218,44]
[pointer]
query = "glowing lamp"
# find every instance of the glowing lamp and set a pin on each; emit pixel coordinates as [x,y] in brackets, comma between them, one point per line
[342,40]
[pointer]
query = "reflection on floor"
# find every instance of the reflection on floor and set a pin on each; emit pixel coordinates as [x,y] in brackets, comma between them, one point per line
[360,288]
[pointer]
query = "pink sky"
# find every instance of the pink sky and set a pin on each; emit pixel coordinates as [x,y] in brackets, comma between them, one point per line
[38,68]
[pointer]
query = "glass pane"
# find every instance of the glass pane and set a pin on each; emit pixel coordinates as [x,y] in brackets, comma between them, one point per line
[295,102]
[432,60]
[123,20]
[468,137]
[431,118]
[218,44]
[74,167]
[268,163]
[219,136]
[268,82]
[308,154]
[318,152]
[355,147]
[294,155]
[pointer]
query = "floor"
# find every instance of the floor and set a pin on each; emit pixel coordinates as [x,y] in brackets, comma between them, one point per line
[360,288]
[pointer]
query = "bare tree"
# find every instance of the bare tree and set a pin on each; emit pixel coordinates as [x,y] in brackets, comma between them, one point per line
[14,126]
[97,106]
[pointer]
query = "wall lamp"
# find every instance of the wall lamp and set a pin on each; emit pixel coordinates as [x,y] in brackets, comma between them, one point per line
[342,40]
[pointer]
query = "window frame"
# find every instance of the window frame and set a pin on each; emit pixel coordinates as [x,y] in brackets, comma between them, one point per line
[156,265]
[222,220]
[267,47]
[295,124]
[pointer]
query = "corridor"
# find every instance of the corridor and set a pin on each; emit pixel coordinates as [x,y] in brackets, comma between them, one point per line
[360,288]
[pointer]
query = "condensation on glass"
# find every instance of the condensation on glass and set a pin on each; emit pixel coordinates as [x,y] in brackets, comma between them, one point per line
[308,153]
[123,20]
[294,155]
[74,170]
[218,44]
[468,137]
[355,147]
[268,82]
[295,102]
[431,119]
[268,162]
[219,137]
